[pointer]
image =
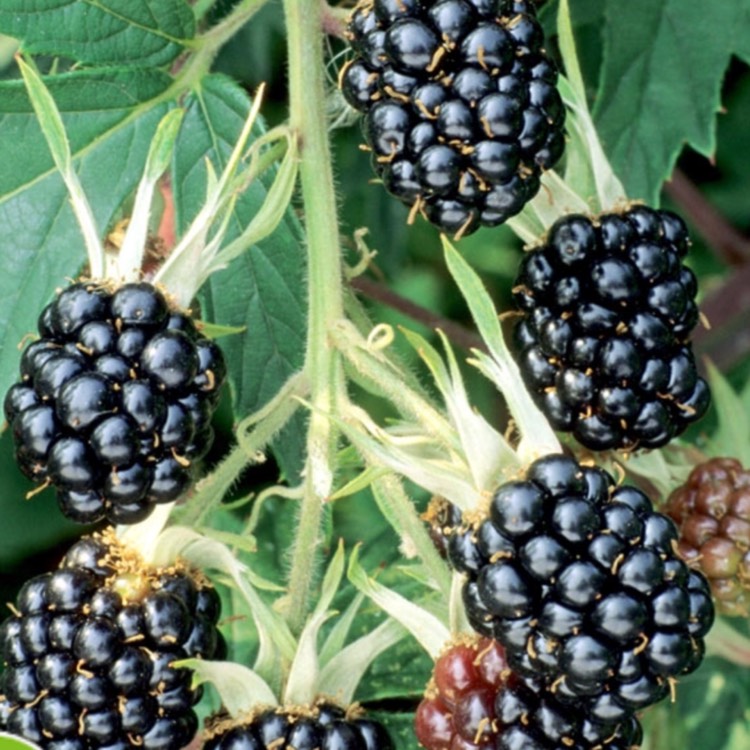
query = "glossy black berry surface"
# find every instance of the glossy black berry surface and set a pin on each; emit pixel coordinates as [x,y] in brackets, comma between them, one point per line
[460,105]
[604,342]
[579,580]
[476,702]
[87,654]
[115,400]
[323,726]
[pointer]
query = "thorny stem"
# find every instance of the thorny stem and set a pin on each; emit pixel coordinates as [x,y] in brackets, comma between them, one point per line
[308,122]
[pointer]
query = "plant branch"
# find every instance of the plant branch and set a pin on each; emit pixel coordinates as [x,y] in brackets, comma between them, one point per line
[307,119]
[730,245]
[208,45]
[456,333]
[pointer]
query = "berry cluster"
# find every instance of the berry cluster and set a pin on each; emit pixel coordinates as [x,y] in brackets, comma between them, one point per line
[604,340]
[323,726]
[115,401]
[461,107]
[475,702]
[578,580]
[712,511]
[88,655]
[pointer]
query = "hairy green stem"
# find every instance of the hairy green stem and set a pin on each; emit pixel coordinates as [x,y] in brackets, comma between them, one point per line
[207,46]
[308,122]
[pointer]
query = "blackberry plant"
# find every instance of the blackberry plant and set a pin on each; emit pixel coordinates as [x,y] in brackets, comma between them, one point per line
[141,182]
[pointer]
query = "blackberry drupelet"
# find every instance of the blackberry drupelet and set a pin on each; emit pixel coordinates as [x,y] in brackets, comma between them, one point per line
[442,518]
[475,702]
[604,341]
[578,580]
[88,652]
[712,512]
[461,109]
[323,726]
[114,401]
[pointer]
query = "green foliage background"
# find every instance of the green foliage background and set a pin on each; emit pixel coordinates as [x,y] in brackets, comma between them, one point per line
[657,72]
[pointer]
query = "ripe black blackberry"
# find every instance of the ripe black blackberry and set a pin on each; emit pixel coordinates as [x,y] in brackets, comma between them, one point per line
[475,702]
[115,401]
[323,726]
[712,512]
[88,652]
[461,107]
[579,580]
[605,337]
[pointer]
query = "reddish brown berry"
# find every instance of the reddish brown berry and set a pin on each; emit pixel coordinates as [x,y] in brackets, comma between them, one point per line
[712,510]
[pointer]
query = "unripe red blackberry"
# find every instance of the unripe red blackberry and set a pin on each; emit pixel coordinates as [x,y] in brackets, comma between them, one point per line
[460,105]
[608,309]
[712,512]
[579,581]
[476,702]
[88,652]
[114,401]
[322,726]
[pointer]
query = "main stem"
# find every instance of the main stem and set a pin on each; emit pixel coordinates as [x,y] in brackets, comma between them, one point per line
[308,121]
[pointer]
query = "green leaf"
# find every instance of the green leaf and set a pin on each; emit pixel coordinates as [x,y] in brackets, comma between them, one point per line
[110,117]
[143,32]
[262,290]
[664,62]
[400,727]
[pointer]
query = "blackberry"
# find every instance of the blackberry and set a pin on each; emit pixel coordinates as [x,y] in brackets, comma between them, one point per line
[460,105]
[88,651]
[712,512]
[475,700]
[578,580]
[323,725]
[114,402]
[604,340]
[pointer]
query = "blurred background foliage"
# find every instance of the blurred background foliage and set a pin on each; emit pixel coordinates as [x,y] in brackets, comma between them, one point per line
[408,285]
